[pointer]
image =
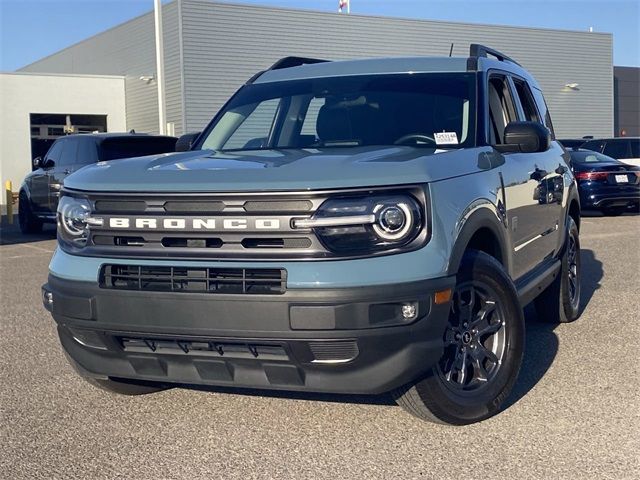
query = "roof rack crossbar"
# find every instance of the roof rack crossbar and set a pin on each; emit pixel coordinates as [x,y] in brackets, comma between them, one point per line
[477,51]
[289,62]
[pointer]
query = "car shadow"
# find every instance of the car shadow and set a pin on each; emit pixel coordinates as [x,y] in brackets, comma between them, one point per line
[542,343]
[10,233]
[383,399]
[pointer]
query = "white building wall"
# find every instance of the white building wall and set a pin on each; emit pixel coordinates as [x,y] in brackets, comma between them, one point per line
[22,94]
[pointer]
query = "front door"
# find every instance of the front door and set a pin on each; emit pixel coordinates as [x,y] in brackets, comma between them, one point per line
[39,182]
[524,176]
[63,168]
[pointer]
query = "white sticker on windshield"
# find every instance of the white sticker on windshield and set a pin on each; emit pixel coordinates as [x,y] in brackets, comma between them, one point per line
[446,138]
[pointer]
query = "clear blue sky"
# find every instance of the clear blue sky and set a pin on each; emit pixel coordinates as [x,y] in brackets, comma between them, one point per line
[32,29]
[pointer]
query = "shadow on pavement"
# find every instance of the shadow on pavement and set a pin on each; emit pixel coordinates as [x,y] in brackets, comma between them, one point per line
[383,399]
[542,342]
[10,234]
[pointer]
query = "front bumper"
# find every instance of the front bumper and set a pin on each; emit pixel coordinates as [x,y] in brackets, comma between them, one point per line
[343,340]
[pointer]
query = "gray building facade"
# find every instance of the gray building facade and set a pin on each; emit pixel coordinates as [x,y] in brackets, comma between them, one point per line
[212,48]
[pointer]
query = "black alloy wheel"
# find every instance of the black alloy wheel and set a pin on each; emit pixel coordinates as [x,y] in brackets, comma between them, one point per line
[475,339]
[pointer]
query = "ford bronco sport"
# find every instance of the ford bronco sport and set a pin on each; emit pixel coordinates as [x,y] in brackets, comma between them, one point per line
[361,226]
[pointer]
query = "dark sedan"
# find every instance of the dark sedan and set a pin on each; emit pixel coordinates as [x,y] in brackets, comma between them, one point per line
[606,184]
[38,198]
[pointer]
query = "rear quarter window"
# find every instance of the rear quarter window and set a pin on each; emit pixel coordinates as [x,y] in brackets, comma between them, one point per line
[617,149]
[595,145]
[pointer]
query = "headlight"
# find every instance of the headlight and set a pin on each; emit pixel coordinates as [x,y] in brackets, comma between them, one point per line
[74,218]
[361,225]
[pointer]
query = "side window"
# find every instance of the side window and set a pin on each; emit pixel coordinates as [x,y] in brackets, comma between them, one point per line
[501,109]
[617,149]
[544,111]
[254,130]
[87,151]
[54,152]
[69,153]
[527,101]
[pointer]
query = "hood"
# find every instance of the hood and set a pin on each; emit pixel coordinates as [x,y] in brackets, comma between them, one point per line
[264,170]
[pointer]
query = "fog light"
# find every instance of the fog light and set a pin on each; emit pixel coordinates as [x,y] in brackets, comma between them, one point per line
[48,297]
[409,311]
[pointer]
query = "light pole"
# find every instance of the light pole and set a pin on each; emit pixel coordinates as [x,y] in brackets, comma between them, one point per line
[162,115]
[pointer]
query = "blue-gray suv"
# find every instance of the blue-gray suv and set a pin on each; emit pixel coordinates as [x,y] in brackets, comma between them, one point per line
[362,226]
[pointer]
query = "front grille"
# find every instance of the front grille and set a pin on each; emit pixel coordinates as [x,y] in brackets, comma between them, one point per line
[259,226]
[221,226]
[252,281]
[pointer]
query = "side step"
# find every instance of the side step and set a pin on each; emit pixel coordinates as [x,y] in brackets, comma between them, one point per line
[534,284]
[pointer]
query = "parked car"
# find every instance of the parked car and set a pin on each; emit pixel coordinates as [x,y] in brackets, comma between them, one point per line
[606,184]
[626,149]
[39,193]
[348,227]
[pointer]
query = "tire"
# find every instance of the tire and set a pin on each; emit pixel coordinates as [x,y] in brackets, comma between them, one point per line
[560,301]
[124,388]
[447,395]
[27,221]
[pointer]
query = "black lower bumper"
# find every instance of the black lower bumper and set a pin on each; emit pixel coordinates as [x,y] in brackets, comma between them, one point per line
[598,200]
[354,340]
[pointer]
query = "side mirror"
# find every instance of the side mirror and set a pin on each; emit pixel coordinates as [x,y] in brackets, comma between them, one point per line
[186,141]
[525,137]
[37,163]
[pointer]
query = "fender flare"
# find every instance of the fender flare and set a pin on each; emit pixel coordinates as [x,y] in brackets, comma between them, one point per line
[25,188]
[571,197]
[481,218]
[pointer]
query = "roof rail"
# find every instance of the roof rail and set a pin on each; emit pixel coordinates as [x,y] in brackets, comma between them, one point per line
[289,62]
[477,51]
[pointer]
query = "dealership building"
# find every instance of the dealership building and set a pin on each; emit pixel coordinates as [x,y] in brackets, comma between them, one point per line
[108,82]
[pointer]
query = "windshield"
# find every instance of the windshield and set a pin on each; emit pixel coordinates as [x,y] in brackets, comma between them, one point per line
[421,110]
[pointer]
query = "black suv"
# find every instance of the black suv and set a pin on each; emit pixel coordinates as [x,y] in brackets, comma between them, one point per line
[40,190]
[626,149]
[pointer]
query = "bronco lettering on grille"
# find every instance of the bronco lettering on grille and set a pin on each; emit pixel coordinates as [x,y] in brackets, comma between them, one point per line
[195,223]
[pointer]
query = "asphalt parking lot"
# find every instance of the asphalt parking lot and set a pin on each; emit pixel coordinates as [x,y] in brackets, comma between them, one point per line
[575,411]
